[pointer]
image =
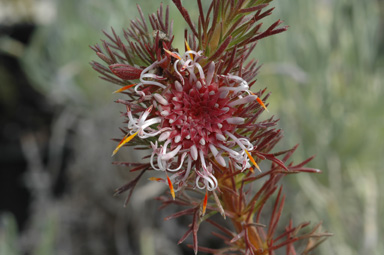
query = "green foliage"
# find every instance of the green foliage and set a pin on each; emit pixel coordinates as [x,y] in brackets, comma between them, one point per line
[329,82]
[45,240]
[8,235]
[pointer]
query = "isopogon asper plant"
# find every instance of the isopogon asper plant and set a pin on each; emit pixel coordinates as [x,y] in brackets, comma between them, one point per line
[197,112]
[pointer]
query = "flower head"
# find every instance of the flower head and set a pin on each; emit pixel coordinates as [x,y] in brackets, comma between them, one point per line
[193,118]
[196,114]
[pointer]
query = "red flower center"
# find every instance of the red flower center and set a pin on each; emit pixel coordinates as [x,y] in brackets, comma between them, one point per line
[196,115]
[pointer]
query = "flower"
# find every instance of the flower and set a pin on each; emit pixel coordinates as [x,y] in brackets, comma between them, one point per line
[193,118]
[196,114]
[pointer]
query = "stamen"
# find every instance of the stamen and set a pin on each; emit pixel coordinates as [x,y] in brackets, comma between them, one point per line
[171,187]
[205,202]
[156,179]
[172,54]
[262,104]
[124,88]
[188,49]
[124,141]
[260,101]
[252,160]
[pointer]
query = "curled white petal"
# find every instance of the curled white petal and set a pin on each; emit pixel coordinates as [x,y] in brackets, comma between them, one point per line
[208,181]
[189,166]
[242,142]
[231,152]
[152,159]
[144,75]
[171,154]
[180,165]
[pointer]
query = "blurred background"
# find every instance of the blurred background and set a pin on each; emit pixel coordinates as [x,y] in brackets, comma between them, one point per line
[57,119]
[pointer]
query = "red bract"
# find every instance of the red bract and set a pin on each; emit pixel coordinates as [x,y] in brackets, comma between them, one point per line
[125,72]
[198,117]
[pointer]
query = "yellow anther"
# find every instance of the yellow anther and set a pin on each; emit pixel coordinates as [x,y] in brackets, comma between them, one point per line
[172,54]
[188,49]
[125,140]
[259,101]
[171,188]
[252,160]
[205,202]
[262,104]
[155,179]
[124,88]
